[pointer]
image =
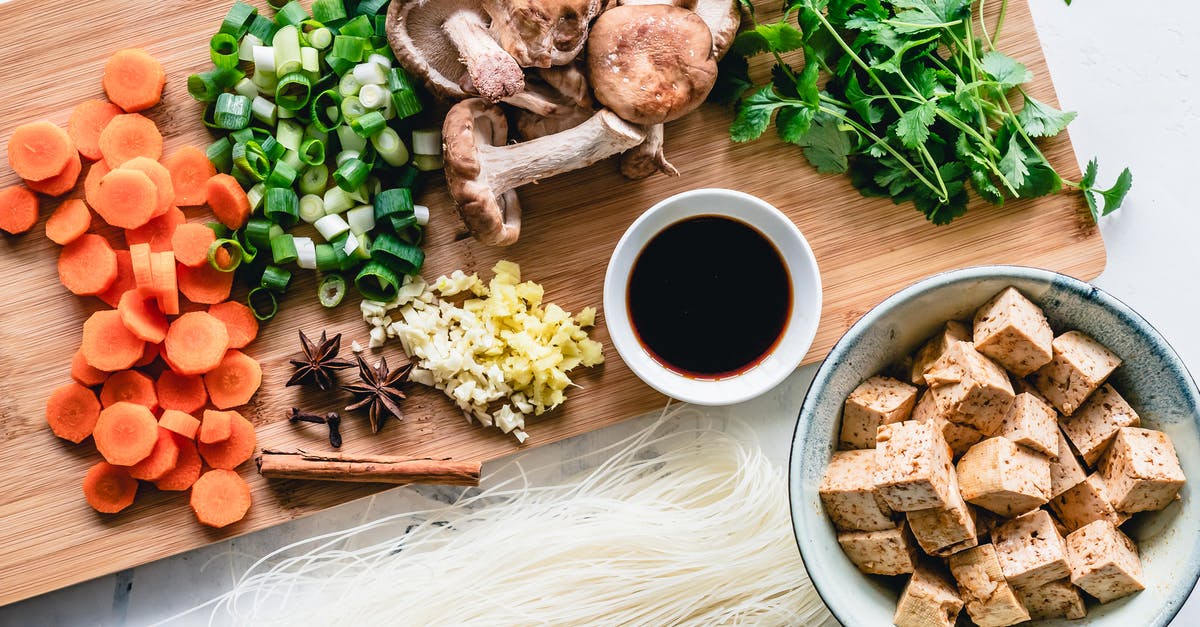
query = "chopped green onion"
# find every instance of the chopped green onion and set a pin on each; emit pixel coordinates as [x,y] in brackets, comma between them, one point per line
[351,174]
[396,202]
[207,86]
[264,59]
[331,226]
[380,25]
[360,26]
[246,47]
[310,60]
[273,232]
[312,151]
[402,257]
[312,208]
[371,7]
[235,250]
[306,253]
[384,61]
[326,110]
[285,114]
[220,154]
[282,207]
[291,14]
[339,65]
[421,212]
[312,131]
[427,146]
[292,158]
[287,50]
[263,303]
[276,279]
[255,195]
[283,175]
[349,140]
[292,91]
[373,96]
[361,219]
[352,108]
[348,86]
[320,38]
[326,11]
[237,20]
[243,135]
[264,110]
[223,50]
[265,82]
[337,200]
[404,94]
[344,155]
[273,149]
[349,48]
[249,159]
[218,229]
[290,134]
[283,249]
[258,232]
[363,249]
[233,111]
[314,179]
[332,290]
[262,28]
[370,74]
[388,145]
[376,281]
[326,258]
[246,87]
[368,124]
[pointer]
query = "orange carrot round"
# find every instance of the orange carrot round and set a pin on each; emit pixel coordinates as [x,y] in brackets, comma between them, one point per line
[62,182]
[161,460]
[126,198]
[220,498]
[179,422]
[39,150]
[72,411]
[128,136]
[88,119]
[196,342]
[187,467]
[227,200]
[191,242]
[91,182]
[107,345]
[159,176]
[239,321]
[149,354]
[204,284]
[166,286]
[190,170]
[70,220]
[129,386]
[140,314]
[158,231]
[109,488]
[133,79]
[235,450]
[143,273]
[125,433]
[215,427]
[87,265]
[234,381]
[18,209]
[123,282]
[83,374]
[181,392]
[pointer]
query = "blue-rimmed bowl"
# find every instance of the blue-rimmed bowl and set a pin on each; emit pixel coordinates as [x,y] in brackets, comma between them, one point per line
[1152,378]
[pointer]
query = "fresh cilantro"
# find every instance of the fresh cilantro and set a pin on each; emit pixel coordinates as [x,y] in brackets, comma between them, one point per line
[1041,120]
[826,146]
[913,125]
[1113,196]
[1005,70]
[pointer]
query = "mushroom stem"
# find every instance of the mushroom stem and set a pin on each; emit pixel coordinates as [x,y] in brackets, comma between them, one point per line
[494,73]
[647,158]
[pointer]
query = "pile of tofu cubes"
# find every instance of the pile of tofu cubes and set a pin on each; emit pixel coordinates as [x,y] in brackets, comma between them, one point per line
[1005,457]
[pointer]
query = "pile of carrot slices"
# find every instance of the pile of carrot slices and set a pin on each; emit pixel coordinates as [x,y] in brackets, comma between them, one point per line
[157,378]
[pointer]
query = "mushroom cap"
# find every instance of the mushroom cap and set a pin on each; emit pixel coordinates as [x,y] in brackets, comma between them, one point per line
[542,33]
[722,16]
[471,124]
[651,63]
[414,31]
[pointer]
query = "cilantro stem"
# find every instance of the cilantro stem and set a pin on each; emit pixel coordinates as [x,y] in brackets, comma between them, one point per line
[885,145]
[991,39]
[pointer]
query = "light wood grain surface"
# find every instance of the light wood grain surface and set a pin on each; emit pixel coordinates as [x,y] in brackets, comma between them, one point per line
[52,59]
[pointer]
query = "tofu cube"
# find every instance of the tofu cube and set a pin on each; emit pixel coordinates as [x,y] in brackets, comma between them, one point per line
[1080,365]
[1141,470]
[1057,599]
[1104,561]
[849,496]
[929,599]
[912,466]
[876,401]
[988,598]
[931,351]
[970,389]
[1031,552]
[1005,478]
[1032,423]
[1065,470]
[959,437]
[1084,504]
[889,552]
[1013,331]
[1092,426]
[945,530]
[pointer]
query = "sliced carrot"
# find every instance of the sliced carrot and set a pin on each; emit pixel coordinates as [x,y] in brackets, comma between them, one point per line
[158,231]
[235,450]
[107,345]
[88,119]
[109,488]
[70,220]
[143,273]
[128,136]
[91,182]
[87,265]
[133,79]
[190,170]
[149,354]
[141,315]
[181,392]
[215,427]
[205,284]
[125,433]
[72,411]
[126,199]
[129,386]
[166,287]
[161,179]
[39,150]
[234,381]
[123,282]
[178,422]
[191,242]
[239,321]
[220,498]
[227,200]
[84,374]
[196,342]
[18,209]
[161,460]
[187,467]
[62,182]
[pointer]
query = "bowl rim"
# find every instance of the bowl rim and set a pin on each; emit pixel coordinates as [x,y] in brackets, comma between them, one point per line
[1174,605]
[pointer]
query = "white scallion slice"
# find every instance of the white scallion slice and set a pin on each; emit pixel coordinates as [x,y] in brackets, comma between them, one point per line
[312,208]
[361,219]
[264,59]
[306,253]
[422,214]
[370,74]
[331,226]
[373,96]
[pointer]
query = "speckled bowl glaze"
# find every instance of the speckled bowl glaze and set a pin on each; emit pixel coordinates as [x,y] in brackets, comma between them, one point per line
[1152,378]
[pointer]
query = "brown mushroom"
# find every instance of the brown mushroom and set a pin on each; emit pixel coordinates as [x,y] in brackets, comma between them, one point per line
[483,173]
[647,157]
[567,87]
[542,33]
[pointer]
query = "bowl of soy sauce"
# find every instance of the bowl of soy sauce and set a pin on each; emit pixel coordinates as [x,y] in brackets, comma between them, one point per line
[712,296]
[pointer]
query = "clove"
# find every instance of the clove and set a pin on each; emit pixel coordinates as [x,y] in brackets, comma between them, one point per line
[332,419]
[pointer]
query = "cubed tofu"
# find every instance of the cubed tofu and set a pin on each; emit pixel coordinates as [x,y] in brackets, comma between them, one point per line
[1141,470]
[969,388]
[1085,503]
[1014,332]
[1092,426]
[945,530]
[959,437]
[889,552]
[876,401]
[849,496]
[1003,477]
[1104,561]
[1057,599]
[912,466]
[1031,551]
[988,598]
[929,599]
[1080,365]
[1065,470]
[1032,423]
[953,331]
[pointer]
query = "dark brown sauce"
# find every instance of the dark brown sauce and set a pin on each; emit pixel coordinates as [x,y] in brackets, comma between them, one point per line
[709,297]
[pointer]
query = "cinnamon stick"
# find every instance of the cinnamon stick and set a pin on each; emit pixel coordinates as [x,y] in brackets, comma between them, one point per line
[275,464]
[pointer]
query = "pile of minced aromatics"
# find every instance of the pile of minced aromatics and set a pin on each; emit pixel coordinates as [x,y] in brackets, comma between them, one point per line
[1004,420]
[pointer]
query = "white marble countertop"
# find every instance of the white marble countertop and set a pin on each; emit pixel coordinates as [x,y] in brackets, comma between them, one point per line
[1128,71]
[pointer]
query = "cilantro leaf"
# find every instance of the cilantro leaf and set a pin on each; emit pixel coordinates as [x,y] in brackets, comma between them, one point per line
[1089,174]
[1005,70]
[754,114]
[1113,196]
[987,190]
[826,146]
[861,101]
[771,37]
[913,126]
[1012,163]
[793,122]
[1041,120]
[733,79]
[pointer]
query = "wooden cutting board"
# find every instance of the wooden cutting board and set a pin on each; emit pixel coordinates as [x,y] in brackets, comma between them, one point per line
[53,58]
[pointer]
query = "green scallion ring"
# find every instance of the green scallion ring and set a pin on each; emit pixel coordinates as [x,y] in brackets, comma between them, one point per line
[208,86]
[402,257]
[250,160]
[292,91]
[273,149]
[223,49]
[263,28]
[282,175]
[218,229]
[325,109]
[283,249]
[351,174]
[328,10]
[232,112]
[376,281]
[396,202]
[282,206]
[314,179]
[276,279]
[291,14]
[312,151]
[349,48]
[360,26]
[332,290]
[327,259]
[237,20]
[220,154]
[263,303]
[371,7]
[368,124]
[237,254]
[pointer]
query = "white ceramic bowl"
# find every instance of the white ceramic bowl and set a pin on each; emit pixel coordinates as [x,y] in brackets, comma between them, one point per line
[802,271]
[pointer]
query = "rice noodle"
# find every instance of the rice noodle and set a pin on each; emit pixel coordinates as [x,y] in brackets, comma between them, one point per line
[684,525]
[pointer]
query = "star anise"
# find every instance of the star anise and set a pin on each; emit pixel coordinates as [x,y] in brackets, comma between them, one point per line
[320,362]
[379,390]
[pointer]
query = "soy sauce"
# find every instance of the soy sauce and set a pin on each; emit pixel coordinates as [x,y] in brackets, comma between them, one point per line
[709,297]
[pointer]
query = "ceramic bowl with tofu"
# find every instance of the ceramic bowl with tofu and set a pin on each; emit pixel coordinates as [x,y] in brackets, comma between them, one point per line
[986,403]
